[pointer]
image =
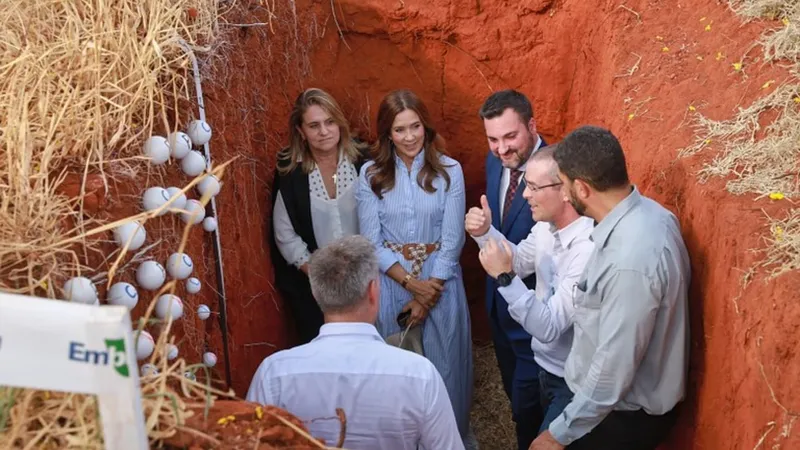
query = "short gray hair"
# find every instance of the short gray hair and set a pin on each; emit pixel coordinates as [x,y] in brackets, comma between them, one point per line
[547,154]
[340,273]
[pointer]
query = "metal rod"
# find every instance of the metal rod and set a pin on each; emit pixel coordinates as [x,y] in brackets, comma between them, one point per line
[223,304]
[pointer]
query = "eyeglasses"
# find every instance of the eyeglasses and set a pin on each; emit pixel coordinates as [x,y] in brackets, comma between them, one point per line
[538,188]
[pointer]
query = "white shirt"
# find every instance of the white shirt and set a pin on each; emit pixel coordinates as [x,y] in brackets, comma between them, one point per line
[505,177]
[558,257]
[392,398]
[330,218]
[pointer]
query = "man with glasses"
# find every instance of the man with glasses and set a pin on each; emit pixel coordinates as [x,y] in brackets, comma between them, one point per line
[556,250]
[511,133]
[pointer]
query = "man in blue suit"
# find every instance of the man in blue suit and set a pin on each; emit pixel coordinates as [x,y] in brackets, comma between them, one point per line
[511,131]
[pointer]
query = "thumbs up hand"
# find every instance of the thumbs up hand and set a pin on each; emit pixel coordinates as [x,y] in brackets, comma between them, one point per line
[478,220]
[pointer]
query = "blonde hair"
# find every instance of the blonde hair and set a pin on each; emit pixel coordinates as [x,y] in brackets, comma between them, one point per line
[298,152]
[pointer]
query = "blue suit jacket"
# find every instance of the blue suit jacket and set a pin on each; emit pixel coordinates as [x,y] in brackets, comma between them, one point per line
[517,226]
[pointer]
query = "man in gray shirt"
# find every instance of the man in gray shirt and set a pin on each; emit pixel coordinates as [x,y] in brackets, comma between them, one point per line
[630,351]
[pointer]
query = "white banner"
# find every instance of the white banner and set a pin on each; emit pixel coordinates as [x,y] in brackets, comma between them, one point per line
[63,346]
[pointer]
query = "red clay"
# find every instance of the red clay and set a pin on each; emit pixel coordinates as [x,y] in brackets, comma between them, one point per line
[572,58]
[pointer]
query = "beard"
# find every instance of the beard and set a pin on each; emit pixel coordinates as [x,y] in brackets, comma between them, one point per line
[579,206]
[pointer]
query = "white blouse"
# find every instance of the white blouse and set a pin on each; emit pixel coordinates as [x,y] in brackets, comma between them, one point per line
[330,218]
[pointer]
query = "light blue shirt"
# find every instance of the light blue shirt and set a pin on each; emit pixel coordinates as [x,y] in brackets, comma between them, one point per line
[393,399]
[558,258]
[630,348]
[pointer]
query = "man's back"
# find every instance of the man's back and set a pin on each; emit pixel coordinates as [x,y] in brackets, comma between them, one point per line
[392,398]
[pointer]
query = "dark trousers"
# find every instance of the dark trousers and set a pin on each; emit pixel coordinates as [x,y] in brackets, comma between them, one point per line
[521,383]
[555,396]
[628,430]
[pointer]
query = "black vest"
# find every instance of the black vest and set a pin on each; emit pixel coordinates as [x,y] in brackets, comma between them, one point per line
[293,187]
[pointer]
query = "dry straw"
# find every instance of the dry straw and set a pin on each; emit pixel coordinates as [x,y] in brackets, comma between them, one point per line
[759,159]
[82,84]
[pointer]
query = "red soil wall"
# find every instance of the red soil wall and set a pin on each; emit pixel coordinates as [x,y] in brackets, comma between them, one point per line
[567,56]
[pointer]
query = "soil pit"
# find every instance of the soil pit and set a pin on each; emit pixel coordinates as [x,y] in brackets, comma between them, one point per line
[635,68]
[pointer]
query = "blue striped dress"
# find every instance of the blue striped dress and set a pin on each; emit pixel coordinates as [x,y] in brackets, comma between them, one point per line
[407,214]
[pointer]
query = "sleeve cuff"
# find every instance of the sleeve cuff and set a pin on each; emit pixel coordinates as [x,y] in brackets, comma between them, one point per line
[513,291]
[303,259]
[443,270]
[386,259]
[558,428]
[484,238]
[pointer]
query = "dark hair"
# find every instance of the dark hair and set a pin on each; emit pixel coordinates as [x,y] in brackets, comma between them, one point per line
[383,171]
[498,102]
[594,155]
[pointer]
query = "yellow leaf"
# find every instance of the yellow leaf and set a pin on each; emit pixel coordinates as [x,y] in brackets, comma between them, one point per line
[692,108]
[796,99]
[631,116]
[708,27]
[776,196]
[767,84]
[785,21]
[222,421]
[665,49]
[707,141]
[259,412]
[720,56]
[737,66]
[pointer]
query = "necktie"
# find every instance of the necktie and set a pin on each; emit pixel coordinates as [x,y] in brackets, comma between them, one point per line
[513,183]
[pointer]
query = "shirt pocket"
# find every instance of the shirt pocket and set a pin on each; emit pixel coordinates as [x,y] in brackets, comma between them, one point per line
[586,301]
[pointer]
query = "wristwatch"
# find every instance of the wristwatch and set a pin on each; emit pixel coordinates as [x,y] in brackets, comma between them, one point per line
[504,279]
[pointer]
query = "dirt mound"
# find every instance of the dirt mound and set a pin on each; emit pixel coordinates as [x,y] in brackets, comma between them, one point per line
[242,425]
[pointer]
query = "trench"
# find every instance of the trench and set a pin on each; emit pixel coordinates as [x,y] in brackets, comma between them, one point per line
[571,59]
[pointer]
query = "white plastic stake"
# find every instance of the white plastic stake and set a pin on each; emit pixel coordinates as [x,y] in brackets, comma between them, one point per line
[72,347]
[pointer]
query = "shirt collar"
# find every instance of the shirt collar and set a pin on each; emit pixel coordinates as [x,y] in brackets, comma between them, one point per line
[603,229]
[417,163]
[362,329]
[536,147]
[570,232]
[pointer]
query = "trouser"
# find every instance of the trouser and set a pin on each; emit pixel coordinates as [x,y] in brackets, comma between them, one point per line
[555,396]
[521,383]
[628,430]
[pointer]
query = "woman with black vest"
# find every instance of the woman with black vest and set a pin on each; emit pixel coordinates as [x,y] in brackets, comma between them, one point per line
[313,199]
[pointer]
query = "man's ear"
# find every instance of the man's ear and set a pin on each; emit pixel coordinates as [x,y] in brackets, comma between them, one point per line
[374,290]
[532,126]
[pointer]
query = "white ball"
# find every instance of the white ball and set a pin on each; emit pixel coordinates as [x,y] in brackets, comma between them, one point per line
[154,198]
[80,290]
[193,207]
[123,294]
[157,149]
[148,370]
[209,224]
[172,351]
[178,203]
[210,184]
[209,359]
[169,305]
[180,144]
[150,275]
[203,312]
[193,164]
[199,132]
[193,285]
[179,266]
[133,231]
[144,344]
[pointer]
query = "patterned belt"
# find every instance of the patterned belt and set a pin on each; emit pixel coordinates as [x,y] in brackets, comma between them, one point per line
[416,253]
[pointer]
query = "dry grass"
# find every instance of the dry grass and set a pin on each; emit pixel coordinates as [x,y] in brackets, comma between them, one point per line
[491,410]
[82,85]
[758,148]
[783,253]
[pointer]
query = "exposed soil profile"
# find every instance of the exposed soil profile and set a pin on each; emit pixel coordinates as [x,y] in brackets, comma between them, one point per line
[635,69]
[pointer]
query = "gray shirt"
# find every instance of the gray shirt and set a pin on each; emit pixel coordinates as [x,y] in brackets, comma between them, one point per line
[631,343]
